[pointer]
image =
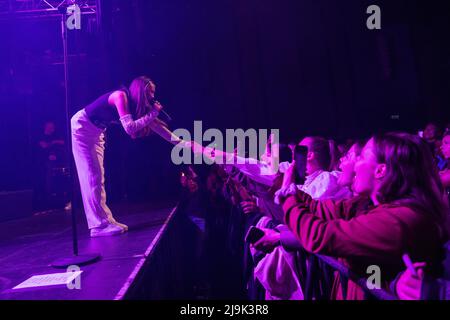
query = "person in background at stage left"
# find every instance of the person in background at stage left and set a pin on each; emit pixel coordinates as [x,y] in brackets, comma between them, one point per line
[137,111]
[50,153]
[51,143]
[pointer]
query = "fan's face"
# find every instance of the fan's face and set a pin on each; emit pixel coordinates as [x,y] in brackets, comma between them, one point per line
[365,168]
[347,166]
[430,132]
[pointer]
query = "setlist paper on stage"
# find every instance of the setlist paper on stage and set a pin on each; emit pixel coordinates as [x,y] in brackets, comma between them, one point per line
[52,279]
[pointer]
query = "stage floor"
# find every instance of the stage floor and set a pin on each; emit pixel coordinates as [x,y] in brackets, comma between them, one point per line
[28,246]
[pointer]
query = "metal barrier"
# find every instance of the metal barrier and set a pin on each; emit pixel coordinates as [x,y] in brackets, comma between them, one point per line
[347,274]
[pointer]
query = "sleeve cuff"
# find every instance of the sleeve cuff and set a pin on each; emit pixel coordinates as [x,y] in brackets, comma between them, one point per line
[288,239]
[284,192]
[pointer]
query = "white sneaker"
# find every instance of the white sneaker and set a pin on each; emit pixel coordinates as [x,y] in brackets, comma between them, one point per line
[123,226]
[109,230]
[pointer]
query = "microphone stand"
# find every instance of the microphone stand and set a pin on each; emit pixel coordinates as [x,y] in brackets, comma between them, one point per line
[74,259]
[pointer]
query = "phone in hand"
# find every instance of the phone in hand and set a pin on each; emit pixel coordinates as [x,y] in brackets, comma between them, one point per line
[300,155]
[254,234]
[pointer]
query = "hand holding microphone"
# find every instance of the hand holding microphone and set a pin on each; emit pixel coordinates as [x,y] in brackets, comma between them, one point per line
[158,107]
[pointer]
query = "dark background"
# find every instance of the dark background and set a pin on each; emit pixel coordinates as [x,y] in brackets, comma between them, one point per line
[303,66]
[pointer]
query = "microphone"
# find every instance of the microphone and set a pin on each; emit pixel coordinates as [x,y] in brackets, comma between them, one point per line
[166,115]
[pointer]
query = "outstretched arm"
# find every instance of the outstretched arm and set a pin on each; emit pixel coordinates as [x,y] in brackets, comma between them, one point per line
[165,133]
[131,127]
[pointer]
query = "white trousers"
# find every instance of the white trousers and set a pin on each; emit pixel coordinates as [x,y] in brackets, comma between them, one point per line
[88,147]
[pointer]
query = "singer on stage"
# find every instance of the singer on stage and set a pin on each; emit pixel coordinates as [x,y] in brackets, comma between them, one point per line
[137,111]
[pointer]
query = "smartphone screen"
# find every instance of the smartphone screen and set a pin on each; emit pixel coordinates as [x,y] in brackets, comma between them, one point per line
[300,155]
[254,234]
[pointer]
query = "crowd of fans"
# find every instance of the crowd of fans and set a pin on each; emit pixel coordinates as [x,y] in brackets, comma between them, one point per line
[381,202]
